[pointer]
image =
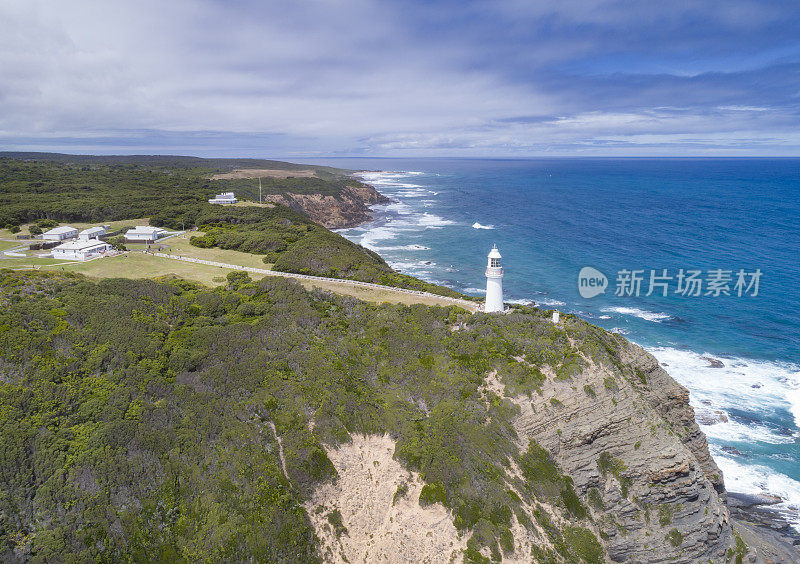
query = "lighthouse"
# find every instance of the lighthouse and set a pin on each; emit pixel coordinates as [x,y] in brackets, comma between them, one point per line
[494,282]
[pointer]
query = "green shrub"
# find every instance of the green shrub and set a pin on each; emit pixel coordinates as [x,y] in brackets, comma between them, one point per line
[400,493]
[335,519]
[432,493]
[675,538]
[665,513]
[584,545]
[607,464]
[596,499]
[543,478]
[507,541]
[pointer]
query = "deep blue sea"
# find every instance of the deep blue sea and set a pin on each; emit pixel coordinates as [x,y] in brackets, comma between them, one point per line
[739,355]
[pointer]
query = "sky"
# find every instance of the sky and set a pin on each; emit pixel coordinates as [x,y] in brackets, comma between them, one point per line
[406,78]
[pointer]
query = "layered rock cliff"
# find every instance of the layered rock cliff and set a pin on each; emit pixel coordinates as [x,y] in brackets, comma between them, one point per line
[348,209]
[627,437]
[615,423]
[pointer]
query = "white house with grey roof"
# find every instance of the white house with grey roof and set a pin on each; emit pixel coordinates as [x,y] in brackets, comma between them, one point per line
[144,234]
[60,233]
[81,249]
[92,233]
[224,198]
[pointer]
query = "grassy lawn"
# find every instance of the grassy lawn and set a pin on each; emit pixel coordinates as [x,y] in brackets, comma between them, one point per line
[373,295]
[140,265]
[180,245]
[245,203]
[28,262]
[5,245]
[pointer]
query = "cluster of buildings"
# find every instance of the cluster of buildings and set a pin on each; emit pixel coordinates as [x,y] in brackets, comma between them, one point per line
[86,244]
[81,245]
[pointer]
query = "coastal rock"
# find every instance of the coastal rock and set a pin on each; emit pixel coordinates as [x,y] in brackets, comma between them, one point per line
[711,417]
[733,450]
[619,427]
[713,362]
[347,209]
[661,476]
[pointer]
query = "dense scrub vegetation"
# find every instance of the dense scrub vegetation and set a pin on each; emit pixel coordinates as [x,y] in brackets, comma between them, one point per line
[136,417]
[173,193]
[167,162]
[166,189]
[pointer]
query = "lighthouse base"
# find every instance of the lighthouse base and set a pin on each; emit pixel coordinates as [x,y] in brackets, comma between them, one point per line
[494,295]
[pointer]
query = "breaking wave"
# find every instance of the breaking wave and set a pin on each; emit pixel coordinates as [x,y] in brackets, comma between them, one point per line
[477,225]
[636,312]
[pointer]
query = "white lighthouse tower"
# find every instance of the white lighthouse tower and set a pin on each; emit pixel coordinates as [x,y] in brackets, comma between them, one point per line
[494,282]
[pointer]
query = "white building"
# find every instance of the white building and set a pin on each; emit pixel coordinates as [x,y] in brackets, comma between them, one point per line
[494,282]
[60,233]
[80,249]
[225,198]
[144,233]
[92,233]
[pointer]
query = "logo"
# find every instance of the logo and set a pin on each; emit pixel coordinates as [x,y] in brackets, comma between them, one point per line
[591,282]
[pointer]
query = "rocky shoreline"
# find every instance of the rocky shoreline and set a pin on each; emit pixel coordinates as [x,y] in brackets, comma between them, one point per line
[758,512]
[350,208]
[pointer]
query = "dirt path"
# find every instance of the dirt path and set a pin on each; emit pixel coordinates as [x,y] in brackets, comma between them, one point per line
[280,450]
[333,282]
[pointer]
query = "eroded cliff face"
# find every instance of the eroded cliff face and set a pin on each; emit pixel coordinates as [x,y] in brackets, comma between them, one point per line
[372,512]
[637,456]
[351,208]
[622,431]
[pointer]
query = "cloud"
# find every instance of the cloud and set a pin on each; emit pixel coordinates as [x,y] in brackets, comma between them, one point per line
[372,77]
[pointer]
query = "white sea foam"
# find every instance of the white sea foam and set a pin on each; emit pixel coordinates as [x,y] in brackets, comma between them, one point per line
[477,225]
[476,290]
[371,237]
[551,302]
[740,383]
[522,301]
[793,395]
[400,208]
[757,479]
[619,330]
[636,312]
[430,220]
[406,248]
[732,431]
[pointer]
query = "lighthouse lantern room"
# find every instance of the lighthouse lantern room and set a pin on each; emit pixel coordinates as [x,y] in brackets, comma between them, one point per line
[494,282]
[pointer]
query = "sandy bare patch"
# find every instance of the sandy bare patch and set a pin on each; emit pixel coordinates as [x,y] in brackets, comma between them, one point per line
[379,528]
[263,173]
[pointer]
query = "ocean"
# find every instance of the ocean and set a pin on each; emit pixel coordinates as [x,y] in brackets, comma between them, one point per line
[721,237]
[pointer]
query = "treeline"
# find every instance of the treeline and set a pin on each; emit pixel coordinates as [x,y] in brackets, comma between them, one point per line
[136,417]
[166,162]
[32,190]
